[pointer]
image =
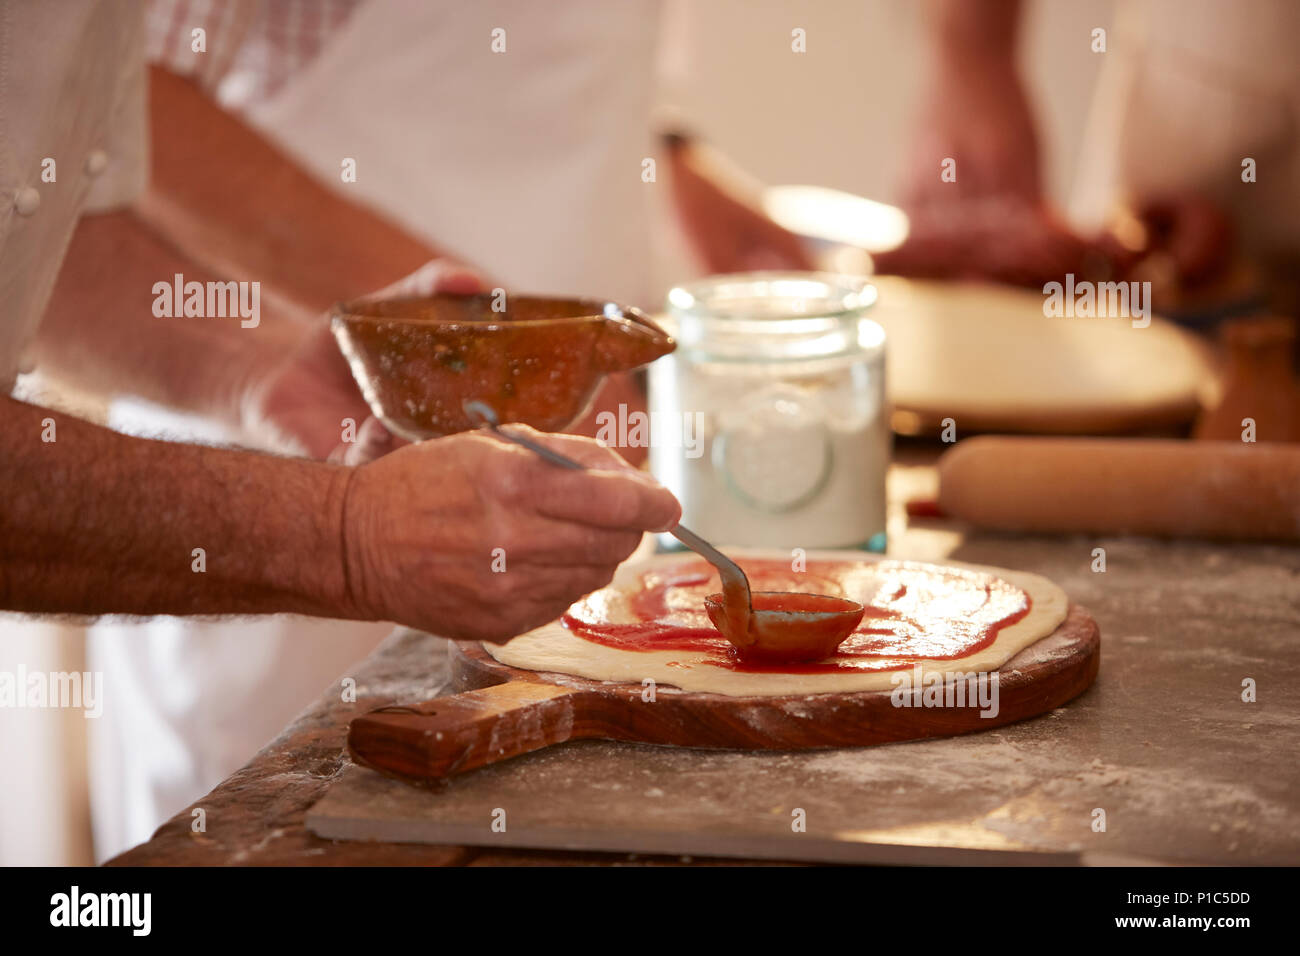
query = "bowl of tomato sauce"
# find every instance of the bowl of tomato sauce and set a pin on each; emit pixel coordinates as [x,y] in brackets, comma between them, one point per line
[538,360]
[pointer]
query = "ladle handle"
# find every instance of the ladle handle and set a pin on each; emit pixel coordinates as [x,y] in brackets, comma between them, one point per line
[707,551]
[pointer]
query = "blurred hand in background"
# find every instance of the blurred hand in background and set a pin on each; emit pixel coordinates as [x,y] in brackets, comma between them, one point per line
[974,194]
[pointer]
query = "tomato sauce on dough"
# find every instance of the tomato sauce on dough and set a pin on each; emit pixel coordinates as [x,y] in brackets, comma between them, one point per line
[913,612]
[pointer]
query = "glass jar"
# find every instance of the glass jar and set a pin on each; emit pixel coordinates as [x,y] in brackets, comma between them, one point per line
[769,421]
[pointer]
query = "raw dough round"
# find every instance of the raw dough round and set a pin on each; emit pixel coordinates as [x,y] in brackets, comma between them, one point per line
[554,648]
[987,357]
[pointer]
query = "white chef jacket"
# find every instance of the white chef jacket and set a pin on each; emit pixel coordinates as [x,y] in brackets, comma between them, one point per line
[528,163]
[191,701]
[72,139]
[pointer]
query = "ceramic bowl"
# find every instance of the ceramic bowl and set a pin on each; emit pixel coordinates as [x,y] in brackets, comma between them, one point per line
[537,360]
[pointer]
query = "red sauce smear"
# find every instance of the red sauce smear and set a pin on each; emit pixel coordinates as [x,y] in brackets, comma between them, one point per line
[913,612]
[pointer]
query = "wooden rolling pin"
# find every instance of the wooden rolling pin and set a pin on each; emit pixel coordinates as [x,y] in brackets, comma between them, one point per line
[1164,488]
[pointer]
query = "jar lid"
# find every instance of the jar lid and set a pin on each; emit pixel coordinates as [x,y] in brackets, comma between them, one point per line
[776,316]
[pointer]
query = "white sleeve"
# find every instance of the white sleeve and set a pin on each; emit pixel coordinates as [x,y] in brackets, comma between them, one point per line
[72,138]
[126,138]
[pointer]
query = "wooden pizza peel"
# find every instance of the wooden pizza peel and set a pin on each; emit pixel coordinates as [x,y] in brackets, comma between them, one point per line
[481,745]
[615,790]
[502,712]
[608,795]
[1184,770]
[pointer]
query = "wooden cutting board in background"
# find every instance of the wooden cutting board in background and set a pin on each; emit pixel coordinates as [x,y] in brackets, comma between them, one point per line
[987,357]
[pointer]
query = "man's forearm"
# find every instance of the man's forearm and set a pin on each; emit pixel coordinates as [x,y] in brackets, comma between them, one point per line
[966,32]
[94,522]
[221,190]
[100,332]
[223,204]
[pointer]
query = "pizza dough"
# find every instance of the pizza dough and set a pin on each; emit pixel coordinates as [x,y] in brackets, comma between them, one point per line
[554,648]
[987,357]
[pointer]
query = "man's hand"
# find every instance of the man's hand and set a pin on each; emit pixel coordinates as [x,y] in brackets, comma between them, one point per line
[1005,239]
[302,404]
[474,538]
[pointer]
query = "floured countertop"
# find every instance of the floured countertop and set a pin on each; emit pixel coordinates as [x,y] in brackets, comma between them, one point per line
[1183,768]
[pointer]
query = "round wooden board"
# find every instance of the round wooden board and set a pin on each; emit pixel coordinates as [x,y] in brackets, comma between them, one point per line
[501,711]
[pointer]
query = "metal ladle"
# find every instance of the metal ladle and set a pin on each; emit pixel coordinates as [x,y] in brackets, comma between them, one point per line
[777,626]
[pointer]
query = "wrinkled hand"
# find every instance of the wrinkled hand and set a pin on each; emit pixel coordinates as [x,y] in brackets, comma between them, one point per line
[301,405]
[1005,239]
[421,526]
[1187,240]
